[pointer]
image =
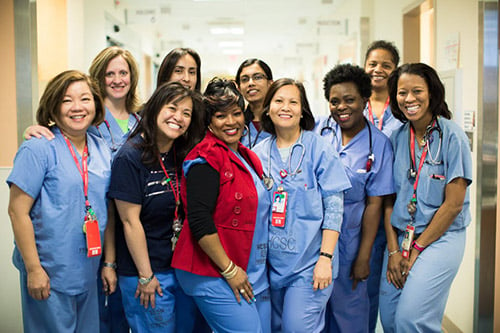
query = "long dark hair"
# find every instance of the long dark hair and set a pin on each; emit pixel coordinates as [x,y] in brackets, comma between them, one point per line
[267,70]
[168,64]
[437,104]
[167,93]
[307,120]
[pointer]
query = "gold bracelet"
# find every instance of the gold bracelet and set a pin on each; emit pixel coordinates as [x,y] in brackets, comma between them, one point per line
[393,253]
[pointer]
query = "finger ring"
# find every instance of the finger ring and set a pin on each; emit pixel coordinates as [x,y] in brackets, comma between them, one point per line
[242,291]
[403,273]
[364,280]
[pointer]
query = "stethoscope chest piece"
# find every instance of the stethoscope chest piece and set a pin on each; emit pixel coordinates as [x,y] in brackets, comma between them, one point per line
[412,174]
[268,182]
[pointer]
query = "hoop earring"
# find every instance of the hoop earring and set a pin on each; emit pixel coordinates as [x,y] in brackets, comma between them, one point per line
[245,130]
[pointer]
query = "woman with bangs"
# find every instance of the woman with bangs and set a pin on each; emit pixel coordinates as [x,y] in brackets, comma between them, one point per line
[145,185]
[58,209]
[306,180]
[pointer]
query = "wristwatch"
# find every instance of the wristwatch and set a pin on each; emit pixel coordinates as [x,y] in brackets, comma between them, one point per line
[143,281]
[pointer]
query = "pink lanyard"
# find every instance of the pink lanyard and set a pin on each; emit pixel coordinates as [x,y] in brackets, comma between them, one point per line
[176,194]
[422,160]
[370,114]
[83,169]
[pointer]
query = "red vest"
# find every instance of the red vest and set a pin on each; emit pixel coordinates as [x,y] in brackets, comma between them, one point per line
[235,211]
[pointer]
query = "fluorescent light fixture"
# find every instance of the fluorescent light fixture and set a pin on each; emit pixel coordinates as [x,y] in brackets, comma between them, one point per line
[229,44]
[232,51]
[227,31]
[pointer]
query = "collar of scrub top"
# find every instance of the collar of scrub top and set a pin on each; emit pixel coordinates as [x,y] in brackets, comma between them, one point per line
[370,113]
[114,146]
[283,172]
[371,157]
[433,159]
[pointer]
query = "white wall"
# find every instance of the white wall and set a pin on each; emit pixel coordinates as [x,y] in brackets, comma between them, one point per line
[10,301]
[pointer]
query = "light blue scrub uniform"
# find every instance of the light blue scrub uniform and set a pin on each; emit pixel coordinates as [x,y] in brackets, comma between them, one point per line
[294,249]
[347,308]
[112,315]
[389,125]
[216,299]
[46,171]
[113,135]
[419,306]
[253,136]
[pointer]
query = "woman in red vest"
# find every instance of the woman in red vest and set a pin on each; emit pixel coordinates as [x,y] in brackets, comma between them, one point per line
[221,253]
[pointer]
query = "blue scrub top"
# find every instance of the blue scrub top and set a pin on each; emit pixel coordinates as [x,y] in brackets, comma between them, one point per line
[114,135]
[294,249]
[376,182]
[453,161]
[253,136]
[198,285]
[389,122]
[46,171]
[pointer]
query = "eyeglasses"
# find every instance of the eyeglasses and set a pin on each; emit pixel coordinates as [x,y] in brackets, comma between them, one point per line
[257,77]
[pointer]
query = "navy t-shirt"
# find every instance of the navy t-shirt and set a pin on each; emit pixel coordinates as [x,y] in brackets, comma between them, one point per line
[134,182]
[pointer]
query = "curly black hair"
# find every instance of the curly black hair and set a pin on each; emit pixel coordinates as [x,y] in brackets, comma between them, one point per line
[348,73]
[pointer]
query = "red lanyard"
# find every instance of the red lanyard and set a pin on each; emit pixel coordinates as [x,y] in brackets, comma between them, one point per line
[176,194]
[370,114]
[84,172]
[422,160]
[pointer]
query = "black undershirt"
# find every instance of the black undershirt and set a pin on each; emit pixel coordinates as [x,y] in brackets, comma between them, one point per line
[202,191]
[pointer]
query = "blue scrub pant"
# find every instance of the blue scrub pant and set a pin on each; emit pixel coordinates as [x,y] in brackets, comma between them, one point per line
[111,316]
[226,315]
[60,312]
[174,312]
[299,308]
[420,305]
[347,309]
[376,263]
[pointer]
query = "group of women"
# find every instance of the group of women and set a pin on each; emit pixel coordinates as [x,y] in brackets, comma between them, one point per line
[213,216]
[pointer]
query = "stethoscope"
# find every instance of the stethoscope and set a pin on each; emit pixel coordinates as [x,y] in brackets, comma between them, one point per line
[249,135]
[434,160]
[371,157]
[114,147]
[268,180]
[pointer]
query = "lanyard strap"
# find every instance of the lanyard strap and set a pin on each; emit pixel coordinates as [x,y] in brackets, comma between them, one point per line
[413,160]
[176,194]
[84,172]
[370,113]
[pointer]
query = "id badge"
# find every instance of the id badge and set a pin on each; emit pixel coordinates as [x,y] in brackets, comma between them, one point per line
[280,199]
[407,241]
[93,237]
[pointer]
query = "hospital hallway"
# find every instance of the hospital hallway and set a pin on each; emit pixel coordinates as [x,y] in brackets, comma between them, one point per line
[298,39]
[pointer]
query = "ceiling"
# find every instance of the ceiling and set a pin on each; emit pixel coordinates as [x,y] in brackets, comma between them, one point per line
[256,27]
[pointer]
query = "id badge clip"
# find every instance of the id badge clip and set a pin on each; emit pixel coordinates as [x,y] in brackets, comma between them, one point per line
[280,199]
[93,236]
[407,241]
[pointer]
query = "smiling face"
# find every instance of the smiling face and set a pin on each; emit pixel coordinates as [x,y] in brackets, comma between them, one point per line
[346,107]
[117,79]
[77,110]
[228,125]
[413,99]
[379,65]
[185,72]
[173,121]
[285,109]
[254,83]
